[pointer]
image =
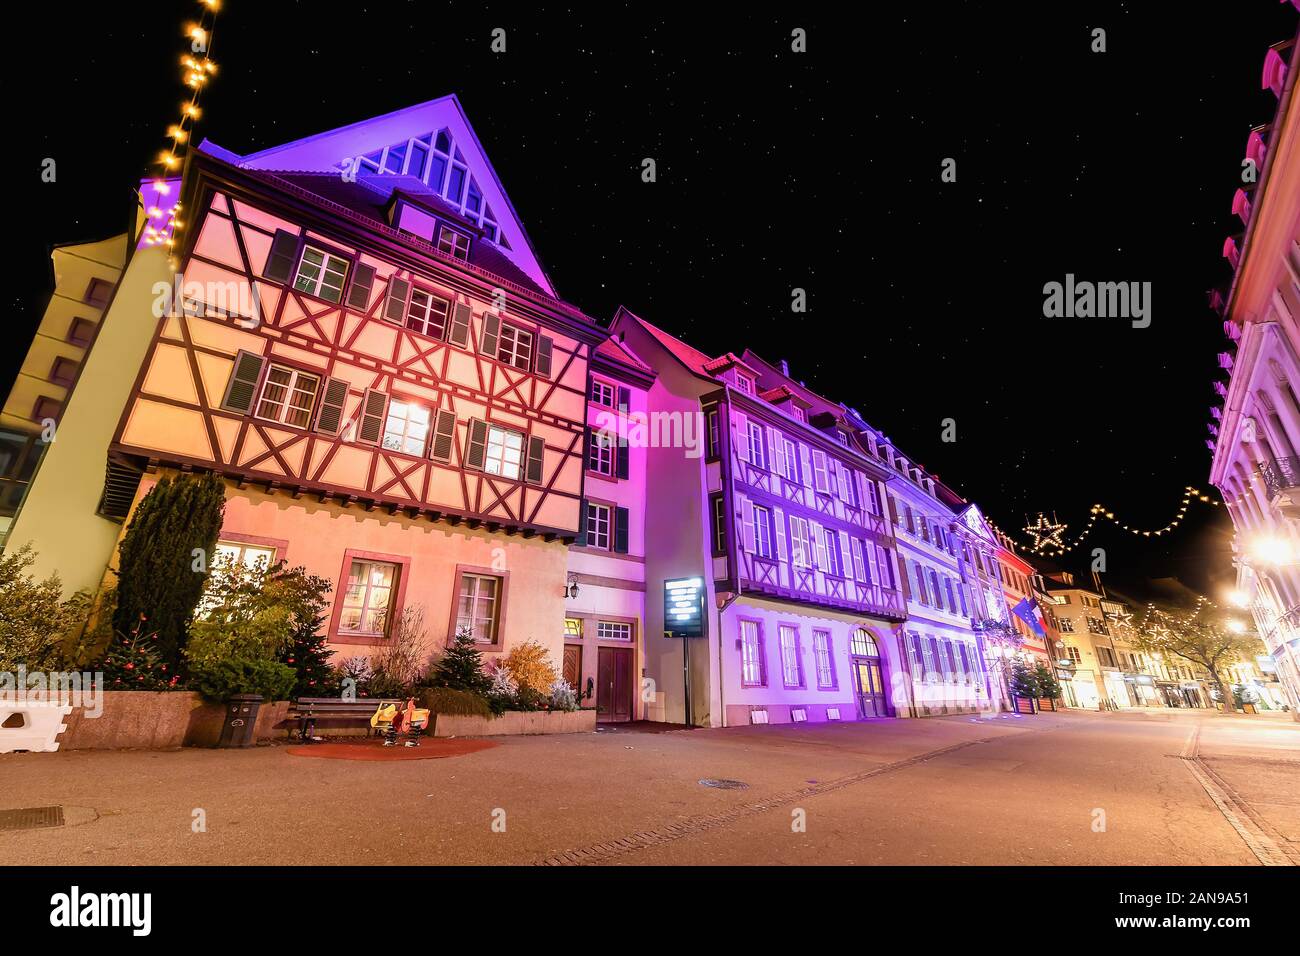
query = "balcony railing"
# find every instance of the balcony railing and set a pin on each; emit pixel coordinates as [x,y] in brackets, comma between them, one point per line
[1281,475]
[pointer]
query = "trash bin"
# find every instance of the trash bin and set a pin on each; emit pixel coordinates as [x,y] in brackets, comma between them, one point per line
[241,721]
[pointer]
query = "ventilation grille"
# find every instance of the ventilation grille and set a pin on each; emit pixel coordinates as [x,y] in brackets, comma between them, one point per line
[120,484]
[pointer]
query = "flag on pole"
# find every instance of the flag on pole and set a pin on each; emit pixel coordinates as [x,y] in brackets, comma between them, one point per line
[1027,610]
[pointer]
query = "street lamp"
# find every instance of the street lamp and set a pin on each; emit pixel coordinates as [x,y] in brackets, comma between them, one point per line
[1239,598]
[1270,549]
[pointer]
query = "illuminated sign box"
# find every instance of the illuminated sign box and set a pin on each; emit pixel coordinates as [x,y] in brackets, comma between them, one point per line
[684,607]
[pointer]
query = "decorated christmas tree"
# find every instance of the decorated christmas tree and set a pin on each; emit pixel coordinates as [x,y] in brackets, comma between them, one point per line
[461,666]
[134,663]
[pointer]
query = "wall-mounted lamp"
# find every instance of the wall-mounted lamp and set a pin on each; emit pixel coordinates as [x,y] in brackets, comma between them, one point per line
[571,589]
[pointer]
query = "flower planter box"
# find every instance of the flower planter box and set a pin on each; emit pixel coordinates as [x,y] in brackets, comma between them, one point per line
[515,722]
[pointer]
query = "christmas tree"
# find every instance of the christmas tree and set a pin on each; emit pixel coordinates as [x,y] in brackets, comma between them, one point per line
[461,666]
[133,662]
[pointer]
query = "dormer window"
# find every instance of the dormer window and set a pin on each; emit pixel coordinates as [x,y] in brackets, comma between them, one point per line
[453,243]
[798,412]
[745,383]
[842,436]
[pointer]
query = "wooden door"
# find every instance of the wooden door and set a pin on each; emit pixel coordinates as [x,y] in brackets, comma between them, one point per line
[870,687]
[573,666]
[614,684]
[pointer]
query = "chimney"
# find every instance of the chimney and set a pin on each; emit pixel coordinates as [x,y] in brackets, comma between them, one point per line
[785,367]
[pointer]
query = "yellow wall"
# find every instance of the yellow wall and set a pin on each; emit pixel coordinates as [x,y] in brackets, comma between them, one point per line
[58,518]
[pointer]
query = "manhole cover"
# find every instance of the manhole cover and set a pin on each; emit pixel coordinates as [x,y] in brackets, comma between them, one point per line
[31,818]
[724,784]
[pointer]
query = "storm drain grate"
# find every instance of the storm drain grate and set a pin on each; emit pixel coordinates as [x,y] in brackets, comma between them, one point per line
[31,818]
[724,784]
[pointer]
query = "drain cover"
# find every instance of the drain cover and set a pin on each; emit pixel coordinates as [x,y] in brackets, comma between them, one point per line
[724,784]
[31,818]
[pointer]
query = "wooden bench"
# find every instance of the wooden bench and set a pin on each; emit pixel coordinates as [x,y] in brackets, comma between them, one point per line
[309,713]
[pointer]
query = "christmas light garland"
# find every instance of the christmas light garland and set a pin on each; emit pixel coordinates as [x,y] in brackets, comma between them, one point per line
[197,69]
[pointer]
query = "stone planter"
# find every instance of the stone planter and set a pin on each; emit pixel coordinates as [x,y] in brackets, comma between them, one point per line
[515,722]
[132,719]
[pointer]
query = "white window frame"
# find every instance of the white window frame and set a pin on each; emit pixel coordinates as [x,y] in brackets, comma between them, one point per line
[822,654]
[369,604]
[603,393]
[457,247]
[421,314]
[331,266]
[752,671]
[600,526]
[500,456]
[291,389]
[516,346]
[614,631]
[472,587]
[600,457]
[757,446]
[762,531]
[790,469]
[791,666]
[401,432]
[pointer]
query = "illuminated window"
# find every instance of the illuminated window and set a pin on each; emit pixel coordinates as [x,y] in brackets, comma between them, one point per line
[478,606]
[287,396]
[825,661]
[757,456]
[321,274]
[752,671]
[407,427]
[862,644]
[573,627]
[762,532]
[504,452]
[791,667]
[366,598]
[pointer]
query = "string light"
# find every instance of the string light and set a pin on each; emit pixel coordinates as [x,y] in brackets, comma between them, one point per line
[1045,546]
[197,68]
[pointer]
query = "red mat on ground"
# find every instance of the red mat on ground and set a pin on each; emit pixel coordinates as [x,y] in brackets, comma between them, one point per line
[429,749]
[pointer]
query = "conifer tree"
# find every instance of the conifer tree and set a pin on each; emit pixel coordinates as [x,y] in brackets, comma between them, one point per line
[461,666]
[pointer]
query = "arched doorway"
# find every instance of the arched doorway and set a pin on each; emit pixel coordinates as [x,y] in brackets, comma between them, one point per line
[868,674]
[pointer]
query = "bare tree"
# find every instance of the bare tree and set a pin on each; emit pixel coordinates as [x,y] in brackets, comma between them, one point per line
[1197,637]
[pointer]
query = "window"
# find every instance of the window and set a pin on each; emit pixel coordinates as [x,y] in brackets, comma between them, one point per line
[98,291]
[713,434]
[81,332]
[427,314]
[63,371]
[366,597]
[229,555]
[1105,656]
[1097,625]
[453,243]
[478,607]
[834,559]
[798,412]
[791,668]
[1072,653]
[756,446]
[745,383]
[573,628]
[789,468]
[613,631]
[825,662]
[862,644]
[1065,624]
[287,396]
[321,274]
[504,452]
[600,453]
[719,526]
[752,671]
[602,393]
[515,347]
[762,532]
[406,428]
[45,408]
[598,526]
[800,542]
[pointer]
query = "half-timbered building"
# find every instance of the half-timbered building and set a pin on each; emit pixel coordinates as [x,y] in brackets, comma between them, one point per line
[778,511]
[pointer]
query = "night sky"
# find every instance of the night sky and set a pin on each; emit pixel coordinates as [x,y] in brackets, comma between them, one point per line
[779,170]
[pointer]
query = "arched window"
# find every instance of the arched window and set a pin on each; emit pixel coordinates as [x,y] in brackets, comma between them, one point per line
[862,644]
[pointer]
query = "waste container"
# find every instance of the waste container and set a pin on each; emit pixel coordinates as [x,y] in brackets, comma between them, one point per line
[241,720]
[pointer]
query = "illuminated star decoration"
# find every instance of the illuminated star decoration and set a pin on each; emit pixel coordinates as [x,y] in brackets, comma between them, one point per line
[1046,534]
[1121,617]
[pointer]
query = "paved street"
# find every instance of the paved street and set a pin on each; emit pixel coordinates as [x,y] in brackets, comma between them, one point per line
[1155,787]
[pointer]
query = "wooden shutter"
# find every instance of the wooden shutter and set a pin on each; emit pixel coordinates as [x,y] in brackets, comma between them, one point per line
[818,545]
[805,468]
[581,539]
[284,250]
[621,452]
[747,525]
[476,447]
[741,425]
[781,550]
[893,510]
[444,435]
[543,364]
[859,562]
[773,442]
[329,420]
[363,280]
[491,331]
[624,399]
[373,407]
[242,387]
[843,477]
[536,450]
[459,334]
[620,530]
[903,578]
[395,304]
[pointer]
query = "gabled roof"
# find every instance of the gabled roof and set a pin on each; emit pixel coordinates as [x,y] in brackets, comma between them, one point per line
[334,150]
[692,358]
[616,351]
[973,519]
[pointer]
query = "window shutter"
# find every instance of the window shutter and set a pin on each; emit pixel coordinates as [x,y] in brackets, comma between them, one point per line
[893,510]
[819,546]
[773,440]
[544,346]
[741,444]
[476,447]
[242,387]
[845,560]
[444,435]
[805,467]
[624,399]
[859,564]
[781,550]
[536,449]
[581,539]
[622,455]
[904,580]
[747,525]
[329,421]
[395,303]
[363,280]
[620,530]
[491,330]
[459,334]
[842,478]
[373,406]
[279,264]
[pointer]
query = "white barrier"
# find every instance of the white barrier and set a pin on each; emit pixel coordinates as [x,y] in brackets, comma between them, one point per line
[39,730]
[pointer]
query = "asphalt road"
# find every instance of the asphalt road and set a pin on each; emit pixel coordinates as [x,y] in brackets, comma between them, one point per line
[1166,787]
